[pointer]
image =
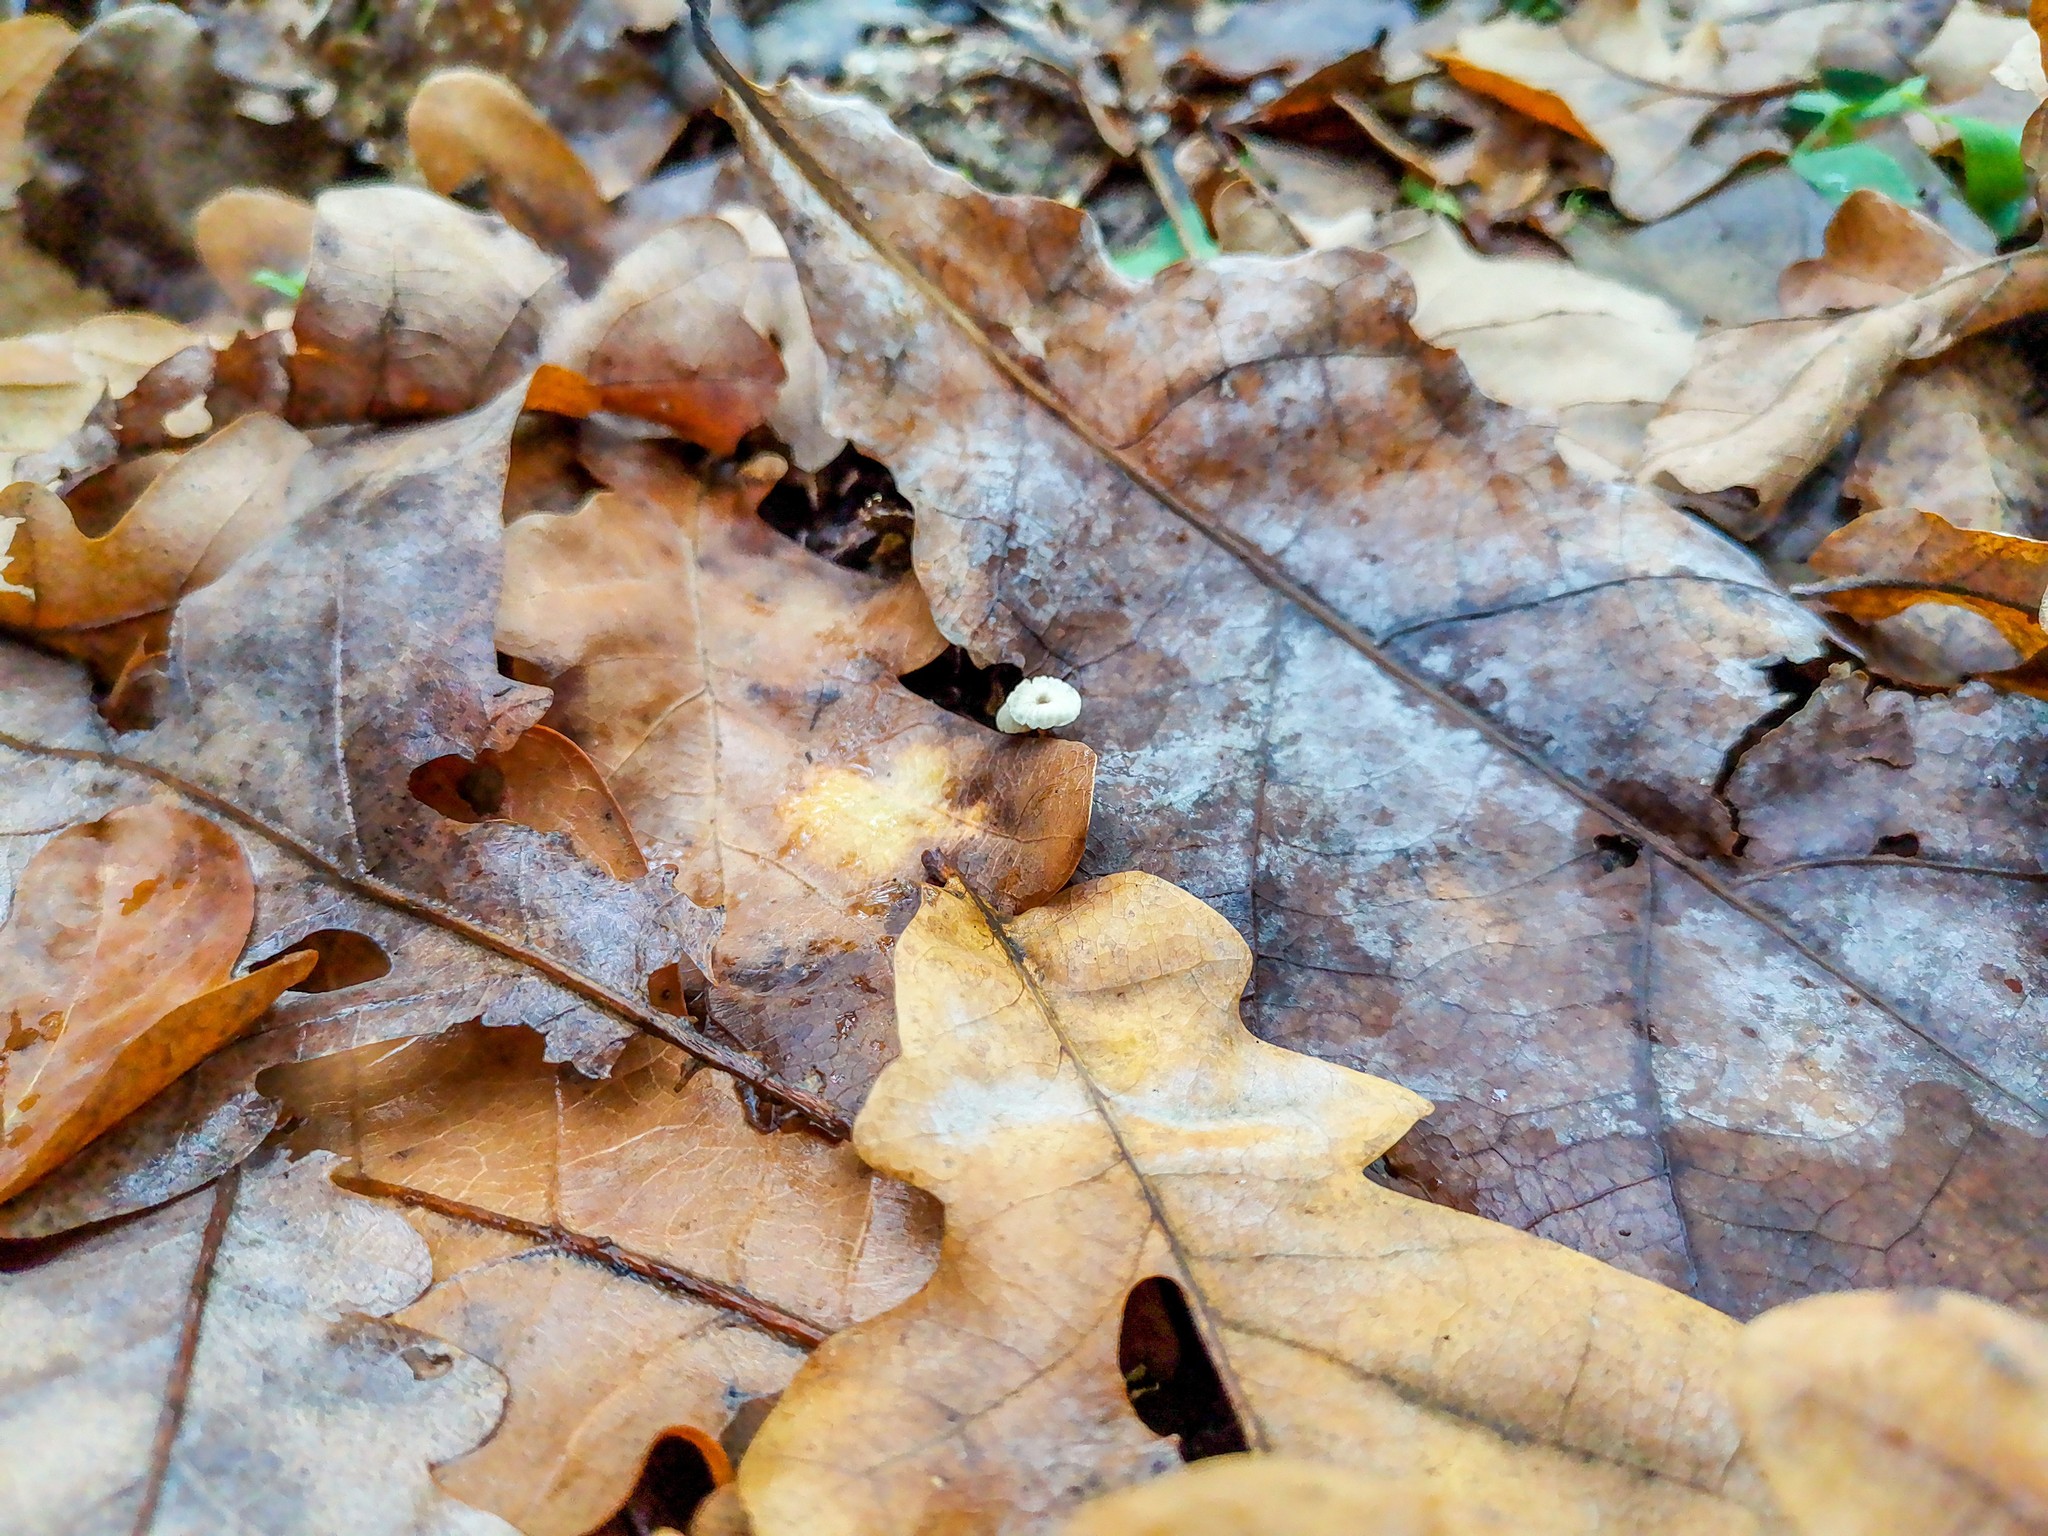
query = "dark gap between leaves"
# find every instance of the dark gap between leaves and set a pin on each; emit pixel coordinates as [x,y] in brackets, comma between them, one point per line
[346,959]
[679,1474]
[1172,1383]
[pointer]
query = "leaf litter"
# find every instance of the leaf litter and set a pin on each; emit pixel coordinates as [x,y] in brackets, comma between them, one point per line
[506,636]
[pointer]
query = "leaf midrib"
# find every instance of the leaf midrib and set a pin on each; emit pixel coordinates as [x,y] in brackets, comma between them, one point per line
[1269,574]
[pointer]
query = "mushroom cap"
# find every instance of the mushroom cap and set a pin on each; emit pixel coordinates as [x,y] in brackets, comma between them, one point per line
[1039,704]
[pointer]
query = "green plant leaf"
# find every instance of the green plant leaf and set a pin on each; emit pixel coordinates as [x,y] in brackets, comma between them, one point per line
[1994,171]
[1152,255]
[1840,169]
[1417,193]
[286,285]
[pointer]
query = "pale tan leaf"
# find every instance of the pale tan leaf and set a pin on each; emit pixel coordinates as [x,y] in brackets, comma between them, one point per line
[246,230]
[1288,1496]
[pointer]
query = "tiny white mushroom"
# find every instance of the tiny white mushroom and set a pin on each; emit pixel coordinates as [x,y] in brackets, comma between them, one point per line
[1039,704]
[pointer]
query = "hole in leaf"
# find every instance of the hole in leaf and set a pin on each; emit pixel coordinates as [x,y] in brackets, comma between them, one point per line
[459,789]
[850,512]
[1169,1377]
[347,959]
[1898,845]
[1617,852]
[681,1470]
[952,681]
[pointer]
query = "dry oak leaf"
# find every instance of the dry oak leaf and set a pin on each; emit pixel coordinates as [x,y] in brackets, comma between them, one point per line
[1675,119]
[116,976]
[249,230]
[1288,1496]
[1765,403]
[632,1254]
[303,691]
[230,1362]
[668,338]
[1545,336]
[1905,1413]
[740,695]
[466,125]
[1885,563]
[1445,732]
[414,306]
[1076,1089]
[50,382]
[31,48]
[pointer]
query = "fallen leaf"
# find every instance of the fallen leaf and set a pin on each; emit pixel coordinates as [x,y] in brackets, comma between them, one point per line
[246,235]
[1075,1087]
[162,1374]
[189,525]
[31,48]
[116,976]
[1675,118]
[1367,669]
[1290,39]
[51,382]
[1287,1496]
[668,338]
[740,695]
[414,307]
[1895,1414]
[466,125]
[1957,436]
[1884,563]
[304,690]
[1765,403]
[630,1253]
[1545,336]
[133,133]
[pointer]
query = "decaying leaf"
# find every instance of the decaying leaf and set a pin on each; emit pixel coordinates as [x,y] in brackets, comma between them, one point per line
[668,338]
[740,696]
[252,240]
[1675,118]
[1545,336]
[630,1253]
[1075,1087]
[50,383]
[414,307]
[231,1360]
[116,965]
[304,691]
[1765,403]
[468,124]
[1900,1414]
[1884,563]
[1288,1496]
[1449,734]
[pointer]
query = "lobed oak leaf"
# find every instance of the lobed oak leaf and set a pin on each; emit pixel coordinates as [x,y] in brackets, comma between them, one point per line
[414,307]
[740,696]
[233,1359]
[1452,736]
[1884,1414]
[1077,1090]
[303,692]
[1764,403]
[116,966]
[633,1255]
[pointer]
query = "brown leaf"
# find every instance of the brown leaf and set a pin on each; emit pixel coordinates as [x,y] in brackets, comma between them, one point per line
[1875,251]
[115,976]
[1076,1088]
[466,125]
[31,48]
[740,695]
[50,383]
[668,338]
[246,230]
[1447,733]
[133,133]
[1893,1415]
[1676,118]
[161,1372]
[185,530]
[631,1254]
[414,307]
[1288,1496]
[1886,562]
[1765,403]
[303,690]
